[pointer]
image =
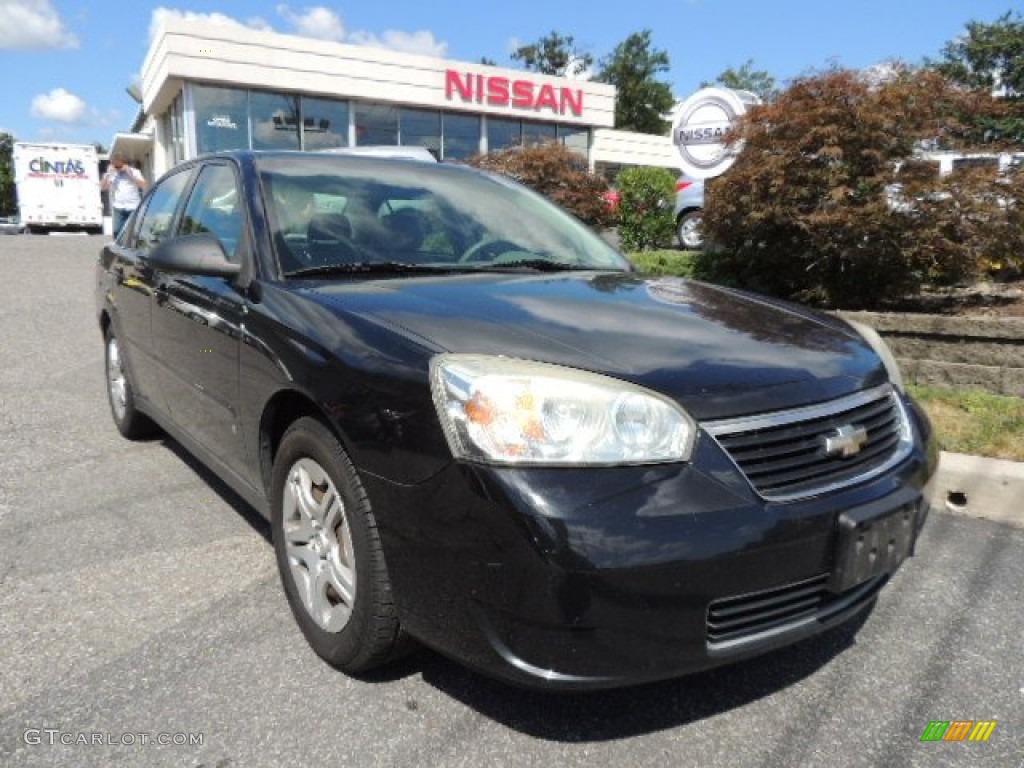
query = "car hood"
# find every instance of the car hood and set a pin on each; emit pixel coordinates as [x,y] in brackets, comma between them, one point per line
[716,351]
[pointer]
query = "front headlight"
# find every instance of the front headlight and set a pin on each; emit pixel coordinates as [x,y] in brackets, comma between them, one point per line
[882,350]
[501,410]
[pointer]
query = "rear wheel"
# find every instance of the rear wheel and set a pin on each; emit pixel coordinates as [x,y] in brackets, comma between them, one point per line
[688,231]
[329,552]
[130,422]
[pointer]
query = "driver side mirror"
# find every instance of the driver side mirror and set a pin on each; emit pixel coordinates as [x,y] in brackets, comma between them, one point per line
[200,254]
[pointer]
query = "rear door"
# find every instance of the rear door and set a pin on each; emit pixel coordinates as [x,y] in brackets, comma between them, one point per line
[133,285]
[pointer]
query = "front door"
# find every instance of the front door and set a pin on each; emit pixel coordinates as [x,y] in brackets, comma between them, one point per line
[197,322]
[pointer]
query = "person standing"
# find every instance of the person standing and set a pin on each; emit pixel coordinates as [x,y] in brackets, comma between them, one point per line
[126,185]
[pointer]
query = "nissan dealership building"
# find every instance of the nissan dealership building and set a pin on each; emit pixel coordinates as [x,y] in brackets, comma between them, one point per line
[207,88]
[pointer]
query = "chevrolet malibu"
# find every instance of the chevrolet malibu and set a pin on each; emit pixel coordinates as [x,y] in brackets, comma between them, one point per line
[471,423]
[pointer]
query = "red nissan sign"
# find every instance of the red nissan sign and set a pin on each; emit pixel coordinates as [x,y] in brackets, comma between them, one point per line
[520,94]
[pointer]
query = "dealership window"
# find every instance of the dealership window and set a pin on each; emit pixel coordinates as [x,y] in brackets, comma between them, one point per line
[324,123]
[461,136]
[275,120]
[376,124]
[538,133]
[503,133]
[174,132]
[222,118]
[421,128]
[575,139]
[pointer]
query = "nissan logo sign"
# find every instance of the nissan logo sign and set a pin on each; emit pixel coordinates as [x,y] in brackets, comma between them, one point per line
[702,127]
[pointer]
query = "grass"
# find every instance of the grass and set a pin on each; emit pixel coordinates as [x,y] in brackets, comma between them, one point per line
[974,421]
[664,262]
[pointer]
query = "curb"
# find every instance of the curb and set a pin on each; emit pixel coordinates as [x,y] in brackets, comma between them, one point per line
[989,489]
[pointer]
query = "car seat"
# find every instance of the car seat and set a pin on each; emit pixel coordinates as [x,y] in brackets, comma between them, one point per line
[405,230]
[329,239]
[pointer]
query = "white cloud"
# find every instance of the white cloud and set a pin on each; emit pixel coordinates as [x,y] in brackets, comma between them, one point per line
[881,73]
[32,24]
[318,21]
[576,69]
[259,23]
[324,24]
[60,105]
[105,118]
[420,42]
[513,45]
[161,14]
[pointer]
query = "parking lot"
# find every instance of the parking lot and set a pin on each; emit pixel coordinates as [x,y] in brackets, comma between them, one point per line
[139,596]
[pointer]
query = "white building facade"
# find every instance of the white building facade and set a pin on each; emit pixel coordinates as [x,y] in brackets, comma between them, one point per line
[207,88]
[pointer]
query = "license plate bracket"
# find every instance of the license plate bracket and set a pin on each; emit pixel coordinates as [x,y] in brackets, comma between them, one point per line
[873,540]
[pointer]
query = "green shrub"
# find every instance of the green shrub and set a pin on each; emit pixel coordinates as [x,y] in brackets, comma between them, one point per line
[665,262]
[646,208]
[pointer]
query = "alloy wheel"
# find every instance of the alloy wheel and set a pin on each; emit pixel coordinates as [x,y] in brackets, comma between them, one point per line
[318,545]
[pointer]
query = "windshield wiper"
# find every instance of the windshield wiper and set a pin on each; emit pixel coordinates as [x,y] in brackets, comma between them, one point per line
[366,267]
[543,265]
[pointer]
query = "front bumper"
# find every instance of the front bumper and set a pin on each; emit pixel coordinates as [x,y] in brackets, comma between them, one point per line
[567,578]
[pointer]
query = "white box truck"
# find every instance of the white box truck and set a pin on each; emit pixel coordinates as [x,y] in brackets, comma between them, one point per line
[58,186]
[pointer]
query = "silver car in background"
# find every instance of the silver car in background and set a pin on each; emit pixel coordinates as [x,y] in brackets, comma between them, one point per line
[689,212]
[11,225]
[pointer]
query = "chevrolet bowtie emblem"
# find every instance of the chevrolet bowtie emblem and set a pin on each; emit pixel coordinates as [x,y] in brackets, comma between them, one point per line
[847,441]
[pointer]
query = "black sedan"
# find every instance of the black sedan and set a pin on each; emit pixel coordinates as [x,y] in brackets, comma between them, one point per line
[472,423]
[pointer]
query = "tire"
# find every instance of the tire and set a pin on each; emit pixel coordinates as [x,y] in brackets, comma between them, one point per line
[329,553]
[130,422]
[688,231]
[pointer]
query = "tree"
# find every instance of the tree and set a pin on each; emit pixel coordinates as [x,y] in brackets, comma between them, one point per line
[488,61]
[642,101]
[746,78]
[554,54]
[991,56]
[988,55]
[8,198]
[829,204]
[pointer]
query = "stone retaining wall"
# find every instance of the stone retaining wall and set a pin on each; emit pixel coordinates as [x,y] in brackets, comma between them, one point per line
[983,352]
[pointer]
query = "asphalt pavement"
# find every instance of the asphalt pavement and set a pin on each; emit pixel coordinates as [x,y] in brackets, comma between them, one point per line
[139,601]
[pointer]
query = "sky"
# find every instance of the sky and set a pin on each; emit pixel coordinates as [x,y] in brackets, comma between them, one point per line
[66,63]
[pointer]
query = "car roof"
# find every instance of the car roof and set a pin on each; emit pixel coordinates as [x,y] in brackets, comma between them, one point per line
[379,150]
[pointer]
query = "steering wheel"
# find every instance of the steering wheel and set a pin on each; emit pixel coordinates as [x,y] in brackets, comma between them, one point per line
[488,250]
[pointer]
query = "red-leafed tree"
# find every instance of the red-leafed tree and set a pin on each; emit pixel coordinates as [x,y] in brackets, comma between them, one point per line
[830,201]
[557,173]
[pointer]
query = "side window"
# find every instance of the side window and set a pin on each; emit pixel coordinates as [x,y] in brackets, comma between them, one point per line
[128,231]
[214,207]
[155,225]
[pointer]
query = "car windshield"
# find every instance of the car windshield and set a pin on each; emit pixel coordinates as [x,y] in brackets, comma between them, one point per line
[325,210]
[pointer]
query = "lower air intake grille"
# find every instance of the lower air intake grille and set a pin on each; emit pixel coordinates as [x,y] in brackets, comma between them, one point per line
[735,621]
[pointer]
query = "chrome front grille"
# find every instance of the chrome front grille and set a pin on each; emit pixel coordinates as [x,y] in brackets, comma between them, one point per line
[808,451]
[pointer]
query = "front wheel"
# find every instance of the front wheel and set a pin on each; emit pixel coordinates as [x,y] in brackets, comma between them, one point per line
[688,231]
[329,552]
